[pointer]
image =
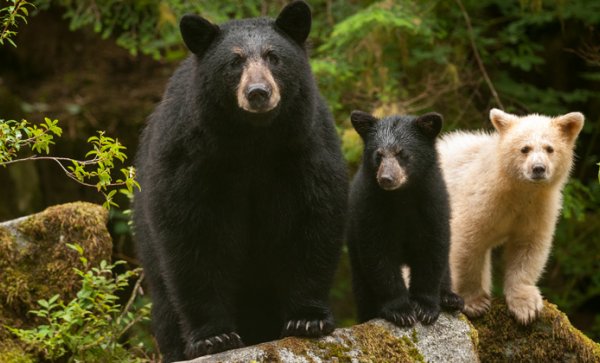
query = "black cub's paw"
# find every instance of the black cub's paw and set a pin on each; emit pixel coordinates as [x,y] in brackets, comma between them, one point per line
[426,313]
[451,302]
[400,313]
[213,344]
[309,326]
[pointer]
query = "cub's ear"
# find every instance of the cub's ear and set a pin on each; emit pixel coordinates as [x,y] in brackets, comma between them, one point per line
[430,124]
[295,20]
[570,124]
[197,32]
[501,120]
[363,122]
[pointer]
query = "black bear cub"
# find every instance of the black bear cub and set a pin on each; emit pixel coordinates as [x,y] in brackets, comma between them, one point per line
[399,217]
[240,220]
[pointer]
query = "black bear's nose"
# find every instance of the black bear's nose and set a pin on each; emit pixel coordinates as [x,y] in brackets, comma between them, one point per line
[258,94]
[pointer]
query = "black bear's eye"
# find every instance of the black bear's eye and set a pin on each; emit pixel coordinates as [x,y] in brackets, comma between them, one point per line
[525,149]
[237,61]
[549,149]
[272,58]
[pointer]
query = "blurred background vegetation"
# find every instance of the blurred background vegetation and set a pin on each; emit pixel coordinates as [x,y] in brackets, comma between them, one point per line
[103,65]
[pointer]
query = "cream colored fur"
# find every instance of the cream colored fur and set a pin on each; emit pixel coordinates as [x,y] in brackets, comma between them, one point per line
[496,200]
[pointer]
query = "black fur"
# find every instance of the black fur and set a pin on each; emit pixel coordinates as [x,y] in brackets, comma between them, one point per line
[408,226]
[240,219]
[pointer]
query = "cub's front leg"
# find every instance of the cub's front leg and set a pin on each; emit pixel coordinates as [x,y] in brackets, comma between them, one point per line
[524,262]
[470,261]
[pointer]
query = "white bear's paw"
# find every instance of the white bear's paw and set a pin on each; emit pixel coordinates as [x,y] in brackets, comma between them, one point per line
[476,305]
[525,303]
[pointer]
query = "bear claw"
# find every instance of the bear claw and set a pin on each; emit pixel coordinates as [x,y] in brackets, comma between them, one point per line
[214,344]
[402,316]
[451,302]
[308,328]
[426,314]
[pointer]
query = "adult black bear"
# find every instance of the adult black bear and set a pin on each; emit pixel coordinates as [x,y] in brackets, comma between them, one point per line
[399,216]
[240,220]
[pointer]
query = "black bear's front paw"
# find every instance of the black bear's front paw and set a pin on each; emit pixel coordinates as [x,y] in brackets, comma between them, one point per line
[309,326]
[426,313]
[398,312]
[451,302]
[213,344]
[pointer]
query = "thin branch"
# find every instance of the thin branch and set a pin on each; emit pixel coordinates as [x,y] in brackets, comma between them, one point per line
[58,161]
[138,318]
[476,53]
[132,297]
[55,158]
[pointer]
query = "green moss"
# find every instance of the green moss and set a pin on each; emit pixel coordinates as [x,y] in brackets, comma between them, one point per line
[414,336]
[369,342]
[334,350]
[550,338]
[473,334]
[36,263]
[11,352]
[377,344]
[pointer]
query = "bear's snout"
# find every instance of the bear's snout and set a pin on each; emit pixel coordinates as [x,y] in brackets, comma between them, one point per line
[390,175]
[538,172]
[258,95]
[258,91]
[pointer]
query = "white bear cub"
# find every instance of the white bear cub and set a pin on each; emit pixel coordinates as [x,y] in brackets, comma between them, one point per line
[505,189]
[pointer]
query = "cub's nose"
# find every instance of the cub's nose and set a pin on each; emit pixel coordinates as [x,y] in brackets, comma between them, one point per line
[258,95]
[538,171]
[387,182]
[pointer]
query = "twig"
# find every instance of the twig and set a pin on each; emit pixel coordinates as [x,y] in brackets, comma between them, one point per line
[131,300]
[128,306]
[476,53]
[58,161]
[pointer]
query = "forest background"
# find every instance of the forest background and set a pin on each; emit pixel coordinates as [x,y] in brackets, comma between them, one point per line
[103,64]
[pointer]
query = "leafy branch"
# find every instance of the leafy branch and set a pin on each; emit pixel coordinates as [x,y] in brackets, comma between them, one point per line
[9,16]
[95,170]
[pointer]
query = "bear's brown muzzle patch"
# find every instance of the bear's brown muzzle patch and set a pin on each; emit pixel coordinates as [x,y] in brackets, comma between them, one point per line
[257,92]
[390,175]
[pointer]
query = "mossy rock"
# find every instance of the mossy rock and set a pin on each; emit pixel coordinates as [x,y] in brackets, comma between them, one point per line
[448,340]
[551,338]
[36,263]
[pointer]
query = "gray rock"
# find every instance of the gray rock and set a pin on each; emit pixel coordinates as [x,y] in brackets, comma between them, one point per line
[450,339]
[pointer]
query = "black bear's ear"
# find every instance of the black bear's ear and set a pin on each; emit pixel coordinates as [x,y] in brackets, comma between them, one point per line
[430,124]
[363,122]
[197,33]
[295,20]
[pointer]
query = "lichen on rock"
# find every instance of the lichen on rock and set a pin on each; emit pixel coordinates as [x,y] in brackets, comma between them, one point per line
[36,263]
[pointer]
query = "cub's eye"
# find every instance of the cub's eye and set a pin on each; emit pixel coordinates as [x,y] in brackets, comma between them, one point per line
[272,58]
[549,149]
[378,156]
[525,149]
[402,155]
